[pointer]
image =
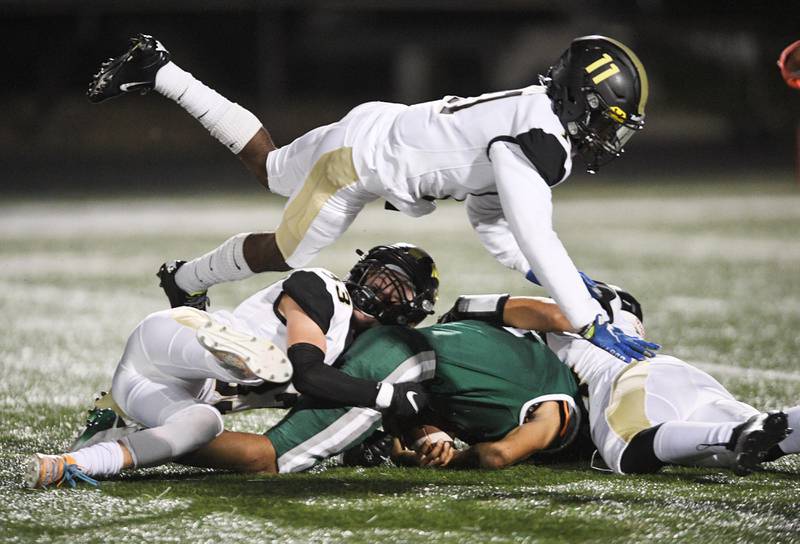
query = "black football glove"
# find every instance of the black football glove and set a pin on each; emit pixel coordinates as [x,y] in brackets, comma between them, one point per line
[408,400]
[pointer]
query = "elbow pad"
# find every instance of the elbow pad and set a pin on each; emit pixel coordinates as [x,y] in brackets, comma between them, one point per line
[488,308]
[305,359]
[303,355]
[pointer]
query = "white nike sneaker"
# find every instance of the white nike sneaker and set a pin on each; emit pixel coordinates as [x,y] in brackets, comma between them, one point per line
[245,356]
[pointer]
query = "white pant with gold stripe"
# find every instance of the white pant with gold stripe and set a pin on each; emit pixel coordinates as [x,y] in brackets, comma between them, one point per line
[645,394]
[318,173]
[627,399]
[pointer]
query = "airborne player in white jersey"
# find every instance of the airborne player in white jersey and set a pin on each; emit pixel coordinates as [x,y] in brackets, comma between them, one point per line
[295,329]
[500,152]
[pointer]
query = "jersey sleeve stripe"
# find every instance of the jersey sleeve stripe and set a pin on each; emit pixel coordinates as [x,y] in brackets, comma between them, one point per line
[559,397]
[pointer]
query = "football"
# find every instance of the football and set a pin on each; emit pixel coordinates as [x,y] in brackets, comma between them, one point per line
[417,436]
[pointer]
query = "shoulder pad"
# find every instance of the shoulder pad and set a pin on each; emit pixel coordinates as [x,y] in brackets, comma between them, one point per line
[310,291]
[543,150]
[546,154]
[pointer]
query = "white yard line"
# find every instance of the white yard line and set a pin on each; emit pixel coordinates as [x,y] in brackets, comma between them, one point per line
[754,373]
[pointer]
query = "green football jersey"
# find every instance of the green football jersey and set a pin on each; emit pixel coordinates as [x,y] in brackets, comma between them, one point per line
[482,381]
[488,378]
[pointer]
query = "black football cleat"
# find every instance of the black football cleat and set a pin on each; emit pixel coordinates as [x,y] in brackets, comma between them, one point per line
[134,71]
[375,451]
[753,439]
[176,295]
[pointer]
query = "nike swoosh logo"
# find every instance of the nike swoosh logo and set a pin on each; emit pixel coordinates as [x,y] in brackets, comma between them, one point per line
[125,87]
[410,396]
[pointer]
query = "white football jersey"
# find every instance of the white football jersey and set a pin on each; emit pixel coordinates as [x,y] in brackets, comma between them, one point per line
[322,296]
[501,152]
[411,155]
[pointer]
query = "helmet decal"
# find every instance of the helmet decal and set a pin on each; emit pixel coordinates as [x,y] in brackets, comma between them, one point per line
[617,114]
[605,74]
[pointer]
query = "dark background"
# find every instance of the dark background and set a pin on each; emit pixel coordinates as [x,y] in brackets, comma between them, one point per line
[717,103]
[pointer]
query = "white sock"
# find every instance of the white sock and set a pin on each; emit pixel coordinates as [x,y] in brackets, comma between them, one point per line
[791,444]
[103,459]
[227,121]
[225,263]
[688,442]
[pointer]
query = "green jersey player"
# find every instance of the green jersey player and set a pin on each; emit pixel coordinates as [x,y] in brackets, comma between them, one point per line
[646,415]
[504,393]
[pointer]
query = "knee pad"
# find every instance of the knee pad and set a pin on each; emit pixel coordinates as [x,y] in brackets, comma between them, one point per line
[182,433]
[203,420]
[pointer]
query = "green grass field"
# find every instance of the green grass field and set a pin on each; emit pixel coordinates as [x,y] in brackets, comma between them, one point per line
[716,266]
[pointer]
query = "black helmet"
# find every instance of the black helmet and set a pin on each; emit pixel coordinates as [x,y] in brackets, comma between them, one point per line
[599,91]
[629,303]
[406,267]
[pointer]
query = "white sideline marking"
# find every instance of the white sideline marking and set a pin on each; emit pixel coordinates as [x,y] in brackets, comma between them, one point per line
[768,374]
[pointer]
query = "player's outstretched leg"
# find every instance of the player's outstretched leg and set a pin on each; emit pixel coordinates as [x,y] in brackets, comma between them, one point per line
[237,258]
[146,66]
[738,445]
[172,436]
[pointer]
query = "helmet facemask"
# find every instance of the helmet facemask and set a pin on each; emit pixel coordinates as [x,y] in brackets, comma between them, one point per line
[602,132]
[386,293]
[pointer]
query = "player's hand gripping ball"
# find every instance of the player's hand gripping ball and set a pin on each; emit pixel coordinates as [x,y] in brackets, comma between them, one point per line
[433,447]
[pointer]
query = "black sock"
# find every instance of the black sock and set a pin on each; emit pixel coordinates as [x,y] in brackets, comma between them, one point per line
[640,455]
